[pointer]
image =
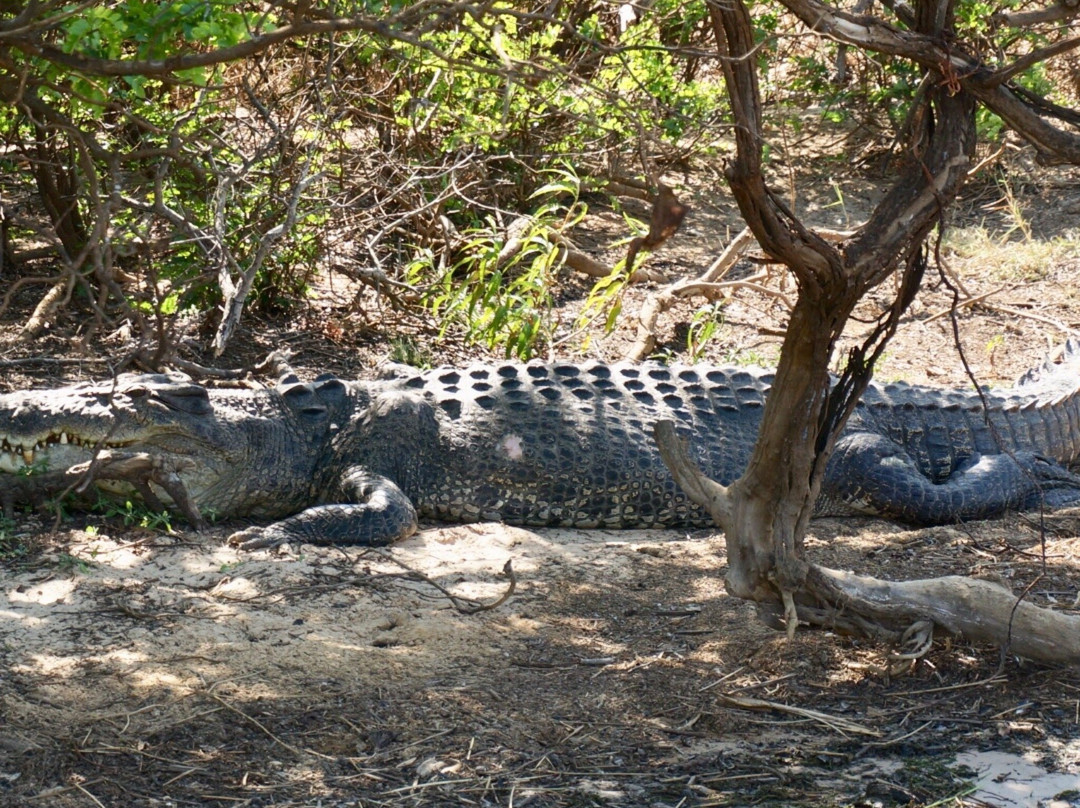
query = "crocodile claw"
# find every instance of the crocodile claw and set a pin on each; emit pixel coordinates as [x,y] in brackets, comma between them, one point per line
[257,537]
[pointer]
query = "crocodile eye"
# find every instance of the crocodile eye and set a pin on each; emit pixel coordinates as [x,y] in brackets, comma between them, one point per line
[294,391]
[329,385]
[189,398]
[303,399]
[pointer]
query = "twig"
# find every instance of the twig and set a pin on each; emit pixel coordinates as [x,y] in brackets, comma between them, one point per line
[597,662]
[463,605]
[56,792]
[979,166]
[1037,317]
[767,683]
[835,723]
[97,802]
[50,360]
[969,301]
[894,741]
[708,285]
[508,571]
[722,679]
[294,749]
[418,786]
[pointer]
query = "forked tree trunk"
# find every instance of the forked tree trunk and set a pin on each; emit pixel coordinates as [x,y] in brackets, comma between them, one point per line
[765,512]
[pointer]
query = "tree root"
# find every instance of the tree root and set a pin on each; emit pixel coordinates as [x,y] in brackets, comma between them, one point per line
[910,614]
[903,613]
[977,610]
[138,469]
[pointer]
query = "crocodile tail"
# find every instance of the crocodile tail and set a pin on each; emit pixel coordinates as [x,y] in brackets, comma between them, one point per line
[1045,405]
[1059,373]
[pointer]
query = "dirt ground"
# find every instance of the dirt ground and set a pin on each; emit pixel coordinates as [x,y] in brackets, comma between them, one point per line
[154,666]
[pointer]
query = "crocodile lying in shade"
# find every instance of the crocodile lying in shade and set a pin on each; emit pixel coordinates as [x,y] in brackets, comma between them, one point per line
[339,462]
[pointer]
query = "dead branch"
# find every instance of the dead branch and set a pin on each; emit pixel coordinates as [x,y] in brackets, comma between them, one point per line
[622,189]
[1061,10]
[462,605]
[707,285]
[664,221]
[569,253]
[969,301]
[833,722]
[195,370]
[1028,315]
[236,293]
[139,469]
[978,610]
[584,263]
[45,311]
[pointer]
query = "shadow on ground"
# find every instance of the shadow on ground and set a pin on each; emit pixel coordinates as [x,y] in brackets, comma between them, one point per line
[144,669]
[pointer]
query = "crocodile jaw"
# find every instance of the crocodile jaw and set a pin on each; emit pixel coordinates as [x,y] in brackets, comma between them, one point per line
[64,453]
[22,455]
[59,451]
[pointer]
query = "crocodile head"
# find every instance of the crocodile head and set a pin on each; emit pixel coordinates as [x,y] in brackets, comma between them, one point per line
[50,430]
[234,451]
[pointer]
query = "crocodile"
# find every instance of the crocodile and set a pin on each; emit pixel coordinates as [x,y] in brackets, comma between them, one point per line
[357,462]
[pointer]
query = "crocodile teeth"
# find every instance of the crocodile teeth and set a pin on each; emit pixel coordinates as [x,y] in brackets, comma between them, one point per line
[11,450]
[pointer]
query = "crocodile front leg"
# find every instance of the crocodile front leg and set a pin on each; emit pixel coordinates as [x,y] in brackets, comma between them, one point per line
[376,512]
[870,474]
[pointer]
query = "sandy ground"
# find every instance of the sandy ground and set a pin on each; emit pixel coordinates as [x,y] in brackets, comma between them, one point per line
[146,669]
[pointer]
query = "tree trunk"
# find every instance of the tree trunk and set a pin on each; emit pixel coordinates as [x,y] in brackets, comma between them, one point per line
[769,507]
[774,499]
[766,511]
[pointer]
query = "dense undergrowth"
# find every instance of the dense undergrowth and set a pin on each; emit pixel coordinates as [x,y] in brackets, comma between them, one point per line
[407,149]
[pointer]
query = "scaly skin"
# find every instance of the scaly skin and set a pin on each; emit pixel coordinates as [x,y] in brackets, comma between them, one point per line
[338,462]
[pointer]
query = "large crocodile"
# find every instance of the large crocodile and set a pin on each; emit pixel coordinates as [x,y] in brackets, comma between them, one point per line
[559,444]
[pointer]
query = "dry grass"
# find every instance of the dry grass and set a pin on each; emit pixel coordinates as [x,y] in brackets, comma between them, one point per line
[1013,255]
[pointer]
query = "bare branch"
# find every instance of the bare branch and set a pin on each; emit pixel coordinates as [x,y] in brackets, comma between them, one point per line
[710,495]
[1052,144]
[1061,10]
[1029,60]
[708,285]
[237,293]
